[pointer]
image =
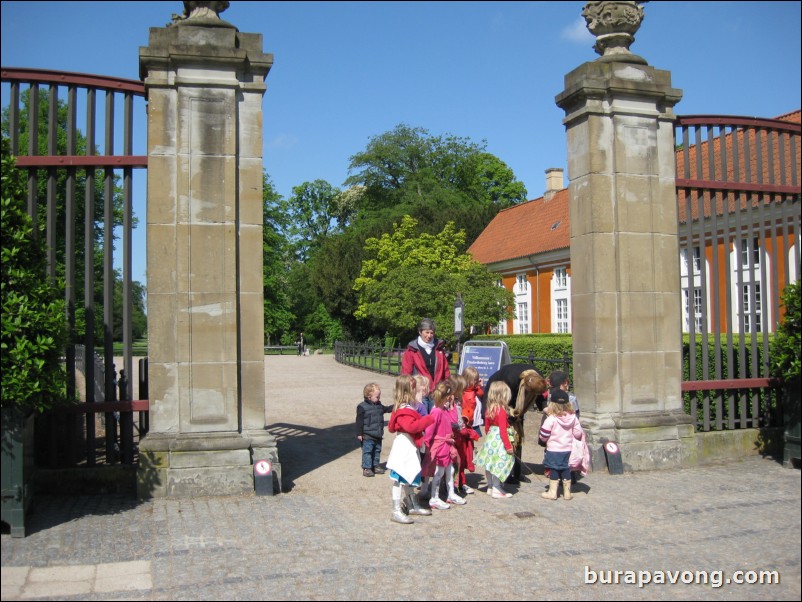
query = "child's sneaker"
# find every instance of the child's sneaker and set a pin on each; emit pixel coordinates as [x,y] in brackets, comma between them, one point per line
[378,470]
[457,500]
[500,495]
[438,504]
[467,490]
[367,472]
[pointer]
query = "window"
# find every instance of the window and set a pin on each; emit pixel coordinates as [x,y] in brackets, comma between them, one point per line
[752,319]
[523,318]
[562,315]
[697,310]
[522,283]
[560,278]
[750,253]
[696,254]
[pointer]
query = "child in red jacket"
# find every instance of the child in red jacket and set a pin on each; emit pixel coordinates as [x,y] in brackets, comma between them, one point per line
[466,441]
[404,460]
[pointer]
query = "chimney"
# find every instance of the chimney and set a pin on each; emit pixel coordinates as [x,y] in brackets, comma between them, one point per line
[554,182]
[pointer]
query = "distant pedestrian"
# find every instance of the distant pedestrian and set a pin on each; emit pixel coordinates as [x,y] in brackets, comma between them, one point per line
[404,459]
[370,428]
[496,453]
[558,431]
[300,343]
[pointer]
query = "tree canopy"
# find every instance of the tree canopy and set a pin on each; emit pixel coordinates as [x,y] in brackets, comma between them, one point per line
[406,275]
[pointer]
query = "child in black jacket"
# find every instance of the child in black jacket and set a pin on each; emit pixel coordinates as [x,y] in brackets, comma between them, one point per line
[370,428]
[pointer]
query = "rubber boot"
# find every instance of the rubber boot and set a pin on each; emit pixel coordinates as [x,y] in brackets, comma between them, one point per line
[414,507]
[398,514]
[551,494]
[567,489]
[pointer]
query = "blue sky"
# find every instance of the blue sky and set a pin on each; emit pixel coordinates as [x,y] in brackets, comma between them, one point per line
[487,71]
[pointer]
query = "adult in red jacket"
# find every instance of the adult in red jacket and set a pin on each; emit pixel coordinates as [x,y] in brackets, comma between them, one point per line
[426,355]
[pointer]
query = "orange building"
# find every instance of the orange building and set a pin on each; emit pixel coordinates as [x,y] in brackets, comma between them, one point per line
[739,181]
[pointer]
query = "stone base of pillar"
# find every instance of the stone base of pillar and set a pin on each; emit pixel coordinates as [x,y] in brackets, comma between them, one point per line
[648,440]
[201,465]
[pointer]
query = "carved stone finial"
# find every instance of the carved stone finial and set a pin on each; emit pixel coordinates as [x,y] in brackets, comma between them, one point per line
[202,13]
[614,23]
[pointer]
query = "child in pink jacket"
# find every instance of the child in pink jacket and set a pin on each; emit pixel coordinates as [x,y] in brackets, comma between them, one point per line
[558,431]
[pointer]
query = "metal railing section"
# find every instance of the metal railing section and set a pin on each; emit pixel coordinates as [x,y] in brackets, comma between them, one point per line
[74,156]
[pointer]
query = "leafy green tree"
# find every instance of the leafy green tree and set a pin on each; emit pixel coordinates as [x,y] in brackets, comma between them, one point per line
[435,179]
[279,317]
[406,275]
[34,328]
[321,328]
[313,213]
[331,274]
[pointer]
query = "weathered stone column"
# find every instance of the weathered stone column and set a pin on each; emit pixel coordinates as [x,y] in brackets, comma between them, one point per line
[205,83]
[624,248]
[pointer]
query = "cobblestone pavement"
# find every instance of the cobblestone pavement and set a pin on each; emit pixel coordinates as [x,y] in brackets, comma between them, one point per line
[329,535]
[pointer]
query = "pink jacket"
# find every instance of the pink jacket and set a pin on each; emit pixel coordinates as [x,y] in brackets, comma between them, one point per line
[439,436]
[559,432]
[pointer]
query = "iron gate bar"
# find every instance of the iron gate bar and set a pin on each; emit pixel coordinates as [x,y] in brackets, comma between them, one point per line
[98,161]
[86,80]
[40,167]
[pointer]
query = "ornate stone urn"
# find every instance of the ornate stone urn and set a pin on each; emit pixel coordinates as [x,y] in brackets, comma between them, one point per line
[614,24]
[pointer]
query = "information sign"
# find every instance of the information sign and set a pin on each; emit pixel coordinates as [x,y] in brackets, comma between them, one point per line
[486,356]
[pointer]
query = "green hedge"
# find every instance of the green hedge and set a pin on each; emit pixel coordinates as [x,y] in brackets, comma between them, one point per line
[556,346]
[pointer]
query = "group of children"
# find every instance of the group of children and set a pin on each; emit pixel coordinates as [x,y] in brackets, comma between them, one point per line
[437,431]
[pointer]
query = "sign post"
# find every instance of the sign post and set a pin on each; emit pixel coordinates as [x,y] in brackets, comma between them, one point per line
[459,326]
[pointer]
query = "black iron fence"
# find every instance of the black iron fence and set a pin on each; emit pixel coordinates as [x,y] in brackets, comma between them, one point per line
[716,404]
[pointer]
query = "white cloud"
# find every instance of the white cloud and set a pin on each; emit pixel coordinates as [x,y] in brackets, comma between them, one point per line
[578,32]
[282,141]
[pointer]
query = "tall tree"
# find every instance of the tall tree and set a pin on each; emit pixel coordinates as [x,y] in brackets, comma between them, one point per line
[406,275]
[435,179]
[279,317]
[313,213]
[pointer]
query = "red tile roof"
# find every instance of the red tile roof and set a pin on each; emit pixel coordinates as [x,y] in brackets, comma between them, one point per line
[540,225]
[527,229]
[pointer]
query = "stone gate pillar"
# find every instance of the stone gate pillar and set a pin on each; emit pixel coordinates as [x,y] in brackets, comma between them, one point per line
[205,83]
[624,247]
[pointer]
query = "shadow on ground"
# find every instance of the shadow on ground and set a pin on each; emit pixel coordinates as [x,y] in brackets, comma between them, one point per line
[48,511]
[302,449]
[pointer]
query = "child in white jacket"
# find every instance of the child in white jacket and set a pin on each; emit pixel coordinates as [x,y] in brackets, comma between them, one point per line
[558,431]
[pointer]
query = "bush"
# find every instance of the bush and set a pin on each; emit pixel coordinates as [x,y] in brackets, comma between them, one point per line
[786,348]
[34,326]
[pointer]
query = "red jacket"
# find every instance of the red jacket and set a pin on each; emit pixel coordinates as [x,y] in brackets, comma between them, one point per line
[412,362]
[469,401]
[407,420]
[463,442]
